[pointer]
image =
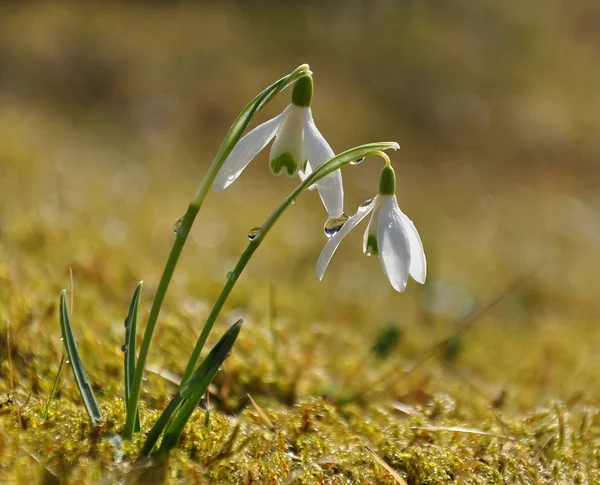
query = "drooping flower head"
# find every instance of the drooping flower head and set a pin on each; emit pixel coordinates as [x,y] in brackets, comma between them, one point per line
[298,148]
[390,235]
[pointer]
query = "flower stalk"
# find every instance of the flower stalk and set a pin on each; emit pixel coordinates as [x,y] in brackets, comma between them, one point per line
[319,173]
[233,136]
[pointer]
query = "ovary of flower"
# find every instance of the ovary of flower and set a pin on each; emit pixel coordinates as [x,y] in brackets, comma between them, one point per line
[298,148]
[391,235]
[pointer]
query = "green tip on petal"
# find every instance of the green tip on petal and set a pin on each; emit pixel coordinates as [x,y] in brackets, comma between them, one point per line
[372,249]
[387,181]
[285,160]
[303,92]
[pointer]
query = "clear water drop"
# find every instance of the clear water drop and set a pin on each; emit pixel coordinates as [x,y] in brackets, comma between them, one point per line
[124,348]
[229,275]
[252,233]
[62,339]
[333,225]
[67,361]
[357,161]
[177,226]
[293,201]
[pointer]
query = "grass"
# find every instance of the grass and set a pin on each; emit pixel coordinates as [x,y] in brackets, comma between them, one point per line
[94,179]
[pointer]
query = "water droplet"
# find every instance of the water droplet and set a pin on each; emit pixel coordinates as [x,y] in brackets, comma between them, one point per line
[62,339]
[124,348]
[252,233]
[229,274]
[67,361]
[357,161]
[293,201]
[177,226]
[334,224]
[126,323]
[366,203]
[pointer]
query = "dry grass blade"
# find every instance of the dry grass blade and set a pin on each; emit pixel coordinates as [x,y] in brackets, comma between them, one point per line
[395,475]
[53,391]
[460,429]
[262,415]
[463,325]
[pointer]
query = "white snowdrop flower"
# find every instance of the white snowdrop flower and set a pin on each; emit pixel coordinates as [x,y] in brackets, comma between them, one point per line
[391,235]
[299,148]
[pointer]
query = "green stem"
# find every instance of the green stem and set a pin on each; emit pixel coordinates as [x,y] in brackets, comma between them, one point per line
[233,136]
[322,171]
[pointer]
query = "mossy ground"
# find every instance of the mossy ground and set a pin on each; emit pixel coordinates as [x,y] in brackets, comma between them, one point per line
[108,118]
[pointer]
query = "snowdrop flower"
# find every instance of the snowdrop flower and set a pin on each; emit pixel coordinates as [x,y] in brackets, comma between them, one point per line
[391,235]
[298,148]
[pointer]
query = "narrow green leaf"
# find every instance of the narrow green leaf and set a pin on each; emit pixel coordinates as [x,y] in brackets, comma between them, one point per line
[161,423]
[194,388]
[129,348]
[81,378]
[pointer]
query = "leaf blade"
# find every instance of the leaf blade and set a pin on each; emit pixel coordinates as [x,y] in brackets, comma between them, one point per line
[129,356]
[194,388]
[81,378]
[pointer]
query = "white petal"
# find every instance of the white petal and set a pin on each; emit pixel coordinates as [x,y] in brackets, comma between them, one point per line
[290,139]
[393,243]
[331,191]
[418,263]
[335,241]
[318,152]
[371,229]
[305,173]
[246,149]
[317,148]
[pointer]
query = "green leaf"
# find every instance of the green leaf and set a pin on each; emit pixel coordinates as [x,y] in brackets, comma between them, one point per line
[193,389]
[161,423]
[129,347]
[81,378]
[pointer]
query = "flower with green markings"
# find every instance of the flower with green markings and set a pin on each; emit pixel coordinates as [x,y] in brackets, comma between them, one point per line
[391,235]
[298,148]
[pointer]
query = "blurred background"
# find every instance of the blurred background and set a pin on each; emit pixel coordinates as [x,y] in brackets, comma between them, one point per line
[111,113]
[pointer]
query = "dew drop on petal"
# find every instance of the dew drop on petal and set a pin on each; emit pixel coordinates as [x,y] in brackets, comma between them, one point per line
[334,224]
[357,161]
[252,233]
[177,226]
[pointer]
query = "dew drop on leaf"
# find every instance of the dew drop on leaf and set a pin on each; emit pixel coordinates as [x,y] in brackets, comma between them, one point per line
[252,233]
[333,225]
[177,226]
[124,348]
